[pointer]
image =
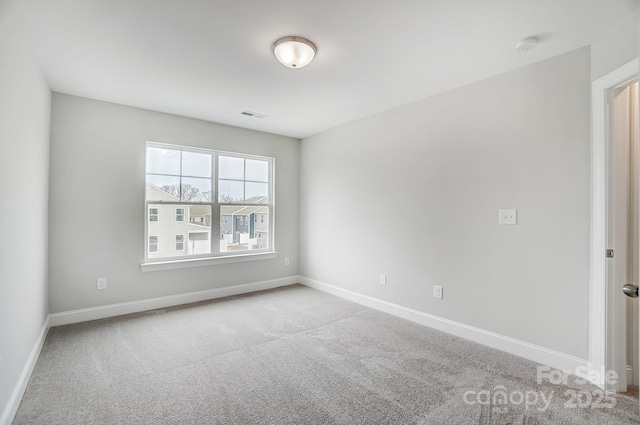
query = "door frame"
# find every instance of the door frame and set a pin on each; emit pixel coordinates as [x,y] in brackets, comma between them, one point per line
[601,312]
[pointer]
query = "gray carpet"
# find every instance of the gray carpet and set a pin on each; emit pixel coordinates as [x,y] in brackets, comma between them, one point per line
[289,356]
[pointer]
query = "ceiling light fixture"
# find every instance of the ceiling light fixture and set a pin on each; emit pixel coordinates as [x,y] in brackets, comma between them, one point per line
[294,52]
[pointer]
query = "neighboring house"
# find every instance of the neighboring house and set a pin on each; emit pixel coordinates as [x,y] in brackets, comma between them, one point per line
[244,227]
[178,230]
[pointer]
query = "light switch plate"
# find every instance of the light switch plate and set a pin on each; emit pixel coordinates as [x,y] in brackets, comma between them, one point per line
[101,283]
[437,292]
[508,216]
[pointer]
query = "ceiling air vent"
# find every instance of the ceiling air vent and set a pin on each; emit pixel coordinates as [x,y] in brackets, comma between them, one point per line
[254,114]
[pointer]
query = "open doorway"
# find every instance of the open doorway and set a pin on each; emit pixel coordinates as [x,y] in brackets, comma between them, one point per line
[613,327]
[623,226]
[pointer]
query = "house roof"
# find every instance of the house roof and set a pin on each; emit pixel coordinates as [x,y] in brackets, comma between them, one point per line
[199,210]
[243,210]
[157,194]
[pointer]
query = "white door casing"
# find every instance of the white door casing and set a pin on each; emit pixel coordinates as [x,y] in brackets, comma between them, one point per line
[606,323]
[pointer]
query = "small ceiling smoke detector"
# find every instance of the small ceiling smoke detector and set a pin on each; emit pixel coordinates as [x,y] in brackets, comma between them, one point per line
[527,44]
[294,52]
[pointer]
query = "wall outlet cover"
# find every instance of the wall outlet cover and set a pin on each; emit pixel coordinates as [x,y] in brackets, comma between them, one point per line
[508,216]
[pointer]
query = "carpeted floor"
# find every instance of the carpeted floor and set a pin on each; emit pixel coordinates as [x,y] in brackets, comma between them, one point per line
[292,356]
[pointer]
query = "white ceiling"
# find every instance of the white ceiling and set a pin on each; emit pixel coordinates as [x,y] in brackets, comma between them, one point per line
[211,59]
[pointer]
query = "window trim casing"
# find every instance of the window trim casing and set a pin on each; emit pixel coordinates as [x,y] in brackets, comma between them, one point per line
[180,214]
[215,257]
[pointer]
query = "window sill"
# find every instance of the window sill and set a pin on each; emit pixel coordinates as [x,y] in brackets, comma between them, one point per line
[210,261]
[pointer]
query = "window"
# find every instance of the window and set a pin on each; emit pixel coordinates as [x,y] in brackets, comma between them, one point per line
[153,244]
[179,214]
[211,194]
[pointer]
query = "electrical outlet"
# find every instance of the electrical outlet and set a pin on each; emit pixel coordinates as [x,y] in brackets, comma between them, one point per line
[383,279]
[286,261]
[508,216]
[101,283]
[437,292]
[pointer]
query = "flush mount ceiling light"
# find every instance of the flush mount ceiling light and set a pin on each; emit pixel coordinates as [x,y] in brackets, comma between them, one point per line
[294,52]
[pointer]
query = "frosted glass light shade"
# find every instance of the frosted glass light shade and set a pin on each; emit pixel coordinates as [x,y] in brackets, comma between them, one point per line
[294,52]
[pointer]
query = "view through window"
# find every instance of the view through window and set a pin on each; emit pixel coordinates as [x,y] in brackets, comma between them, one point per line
[206,203]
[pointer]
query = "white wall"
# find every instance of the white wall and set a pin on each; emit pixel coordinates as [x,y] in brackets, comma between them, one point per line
[97,203]
[24,169]
[619,47]
[414,193]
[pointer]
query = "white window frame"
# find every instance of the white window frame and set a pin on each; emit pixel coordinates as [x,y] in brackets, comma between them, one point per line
[156,214]
[181,242]
[215,257]
[180,214]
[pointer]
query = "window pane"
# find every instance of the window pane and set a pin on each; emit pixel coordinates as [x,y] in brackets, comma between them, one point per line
[230,167]
[196,190]
[153,244]
[163,161]
[230,191]
[163,188]
[241,231]
[180,195]
[190,236]
[257,170]
[196,164]
[257,193]
[179,242]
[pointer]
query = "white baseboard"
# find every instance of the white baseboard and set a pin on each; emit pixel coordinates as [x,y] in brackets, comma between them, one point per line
[11,408]
[111,310]
[519,348]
